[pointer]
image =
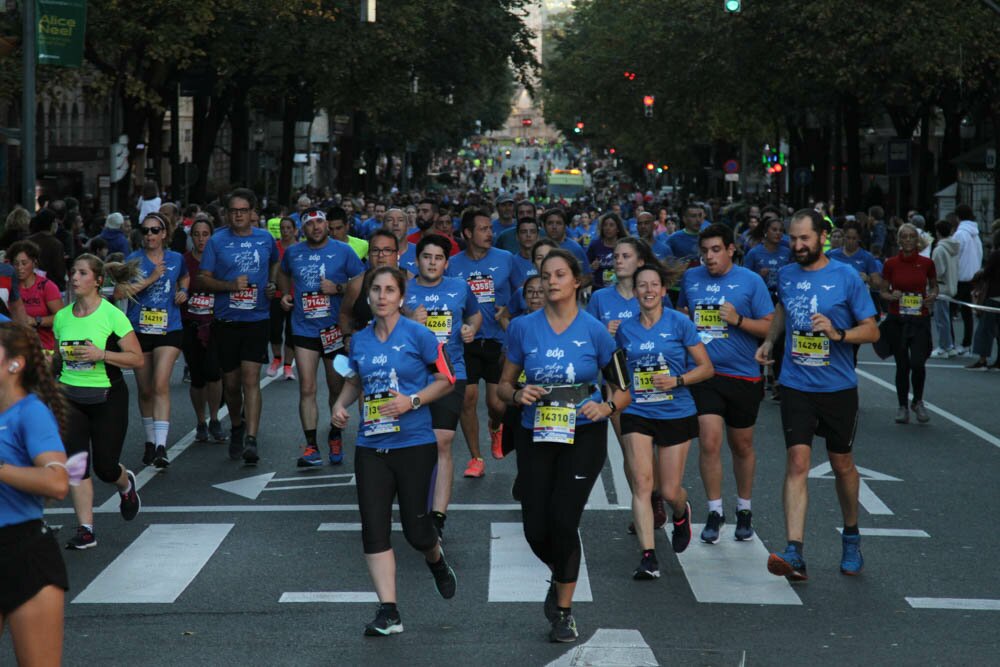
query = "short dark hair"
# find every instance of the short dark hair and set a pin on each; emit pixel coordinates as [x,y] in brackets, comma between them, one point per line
[437,240]
[336,213]
[526,221]
[943,228]
[692,205]
[469,216]
[817,221]
[568,257]
[555,210]
[432,202]
[717,230]
[852,224]
[964,212]
[387,234]
[242,193]
[876,212]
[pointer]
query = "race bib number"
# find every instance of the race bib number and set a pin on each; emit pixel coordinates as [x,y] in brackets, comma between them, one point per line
[244,299]
[201,303]
[439,322]
[810,348]
[72,355]
[153,321]
[911,304]
[708,320]
[522,379]
[608,276]
[482,286]
[555,423]
[642,384]
[315,305]
[373,423]
[332,339]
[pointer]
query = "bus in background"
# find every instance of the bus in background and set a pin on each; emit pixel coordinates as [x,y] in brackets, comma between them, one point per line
[566,183]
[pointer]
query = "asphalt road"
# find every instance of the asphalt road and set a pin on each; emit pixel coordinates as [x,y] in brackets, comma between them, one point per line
[199,576]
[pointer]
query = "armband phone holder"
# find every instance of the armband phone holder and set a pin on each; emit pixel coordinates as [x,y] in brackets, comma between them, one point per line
[616,372]
[443,365]
[343,366]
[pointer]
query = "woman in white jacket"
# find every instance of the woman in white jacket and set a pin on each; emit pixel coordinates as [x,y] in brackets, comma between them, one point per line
[945,256]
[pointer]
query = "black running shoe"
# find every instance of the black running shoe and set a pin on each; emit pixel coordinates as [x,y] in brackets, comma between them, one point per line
[201,432]
[250,456]
[713,526]
[385,623]
[551,605]
[681,536]
[563,629]
[236,441]
[161,461]
[444,577]
[216,432]
[648,568]
[744,526]
[84,539]
[149,454]
[130,503]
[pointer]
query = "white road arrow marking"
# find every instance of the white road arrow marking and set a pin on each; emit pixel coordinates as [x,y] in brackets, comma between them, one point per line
[871,502]
[248,487]
[610,647]
[252,487]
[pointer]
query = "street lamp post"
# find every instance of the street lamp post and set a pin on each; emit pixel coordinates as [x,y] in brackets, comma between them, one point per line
[28,107]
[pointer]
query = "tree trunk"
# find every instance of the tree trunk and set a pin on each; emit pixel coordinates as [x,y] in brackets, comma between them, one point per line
[852,138]
[239,124]
[951,146]
[838,160]
[209,114]
[923,165]
[287,153]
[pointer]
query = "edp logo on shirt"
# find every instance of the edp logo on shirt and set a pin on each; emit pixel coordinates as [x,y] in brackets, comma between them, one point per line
[557,353]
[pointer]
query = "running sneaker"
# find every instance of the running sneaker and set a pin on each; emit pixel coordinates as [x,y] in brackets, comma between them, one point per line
[250,456]
[310,457]
[439,518]
[201,432]
[659,512]
[84,539]
[444,577]
[289,373]
[273,367]
[187,375]
[148,454]
[713,526]
[776,393]
[648,568]
[681,536]
[744,526]
[386,622]
[215,430]
[496,442]
[236,435]
[902,415]
[939,353]
[978,365]
[789,564]
[476,468]
[920,410]
[161,461]
[851,560]
[130,503]
[551,604]
[563,629]
[336,451]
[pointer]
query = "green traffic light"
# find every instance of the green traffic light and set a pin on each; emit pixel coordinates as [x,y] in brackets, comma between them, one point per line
[733,6]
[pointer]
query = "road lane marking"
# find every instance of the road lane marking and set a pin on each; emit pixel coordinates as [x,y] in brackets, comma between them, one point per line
[609,647]
[733,572]
[246,487]
[958,421]
[966,604]
[893,364]
[890,532]
[871,502]
[158,565]
[337,527]
[186,509]
[329,597]
[516,574]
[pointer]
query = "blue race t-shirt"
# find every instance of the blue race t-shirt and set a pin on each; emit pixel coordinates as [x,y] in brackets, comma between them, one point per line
[491,280]
[153,310]
[27,429]
[683,245]
[523,269]
[576,356]
[608,304]
[399,364]
[862,260]
[315,312]
[408,260]
[661,249]
[760,258]
[663,348]
[731,349]
[578,252]
[813,362]
[447,304]
[228,256]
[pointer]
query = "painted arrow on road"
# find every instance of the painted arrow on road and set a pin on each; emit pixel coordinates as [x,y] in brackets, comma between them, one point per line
[866,496]
[252,487]
[609,647]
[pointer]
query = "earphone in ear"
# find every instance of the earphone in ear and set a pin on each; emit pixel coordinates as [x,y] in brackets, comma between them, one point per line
[13,366]
[369,300]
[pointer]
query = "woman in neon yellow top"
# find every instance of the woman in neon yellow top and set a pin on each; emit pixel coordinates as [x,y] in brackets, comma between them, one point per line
[94,341]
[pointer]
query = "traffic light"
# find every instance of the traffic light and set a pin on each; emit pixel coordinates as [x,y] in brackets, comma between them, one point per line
[733,6]
[630,75]
[647,104]
[611,151]
[650,166]
[665,167]
[526,122]
[579,127]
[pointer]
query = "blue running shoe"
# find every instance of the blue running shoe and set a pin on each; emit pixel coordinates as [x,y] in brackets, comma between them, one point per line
[310,457]
[789,564]
[336,451]
[851,562]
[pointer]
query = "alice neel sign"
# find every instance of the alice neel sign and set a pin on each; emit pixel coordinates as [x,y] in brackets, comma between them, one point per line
[61,27]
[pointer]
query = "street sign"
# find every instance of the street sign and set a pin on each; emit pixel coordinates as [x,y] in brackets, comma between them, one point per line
[897,159]
[803,176]
[731,166]
[735,178]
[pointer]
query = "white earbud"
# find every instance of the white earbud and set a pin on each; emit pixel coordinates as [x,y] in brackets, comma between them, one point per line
[13,366]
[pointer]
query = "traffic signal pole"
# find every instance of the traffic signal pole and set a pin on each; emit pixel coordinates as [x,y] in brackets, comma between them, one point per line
[28,107]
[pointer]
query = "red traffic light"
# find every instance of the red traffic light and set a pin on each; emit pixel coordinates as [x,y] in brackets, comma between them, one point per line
[630,75]
[650,166]
[579,125]
[777,168]
[612,151]
[526,122]
[648,100]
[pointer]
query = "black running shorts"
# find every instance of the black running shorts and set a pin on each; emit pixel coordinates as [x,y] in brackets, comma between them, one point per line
[830,415]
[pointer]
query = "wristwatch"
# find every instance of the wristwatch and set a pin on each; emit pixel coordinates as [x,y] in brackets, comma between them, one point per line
[843,335]
[38,321]
[680,380]
[611,405]
[414,401]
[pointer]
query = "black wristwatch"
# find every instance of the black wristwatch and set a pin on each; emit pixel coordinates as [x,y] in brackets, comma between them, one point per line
[680,380]
[843,335]
[611,405]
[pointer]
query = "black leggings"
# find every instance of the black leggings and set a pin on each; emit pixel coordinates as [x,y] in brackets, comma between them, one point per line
[555,482]
[281,323]
[385,474]
[964,293]
[99,428]
[199,356]
[910,351]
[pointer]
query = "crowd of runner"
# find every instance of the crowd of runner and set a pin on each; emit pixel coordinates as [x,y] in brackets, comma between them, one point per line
[668,322]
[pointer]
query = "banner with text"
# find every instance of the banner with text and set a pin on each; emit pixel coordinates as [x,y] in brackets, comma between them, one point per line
[61,28]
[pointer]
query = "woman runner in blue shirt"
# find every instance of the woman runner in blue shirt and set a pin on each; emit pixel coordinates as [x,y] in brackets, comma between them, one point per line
[396,449]
[562,443]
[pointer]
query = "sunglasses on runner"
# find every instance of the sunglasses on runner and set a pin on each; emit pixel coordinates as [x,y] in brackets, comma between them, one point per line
[150,230]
